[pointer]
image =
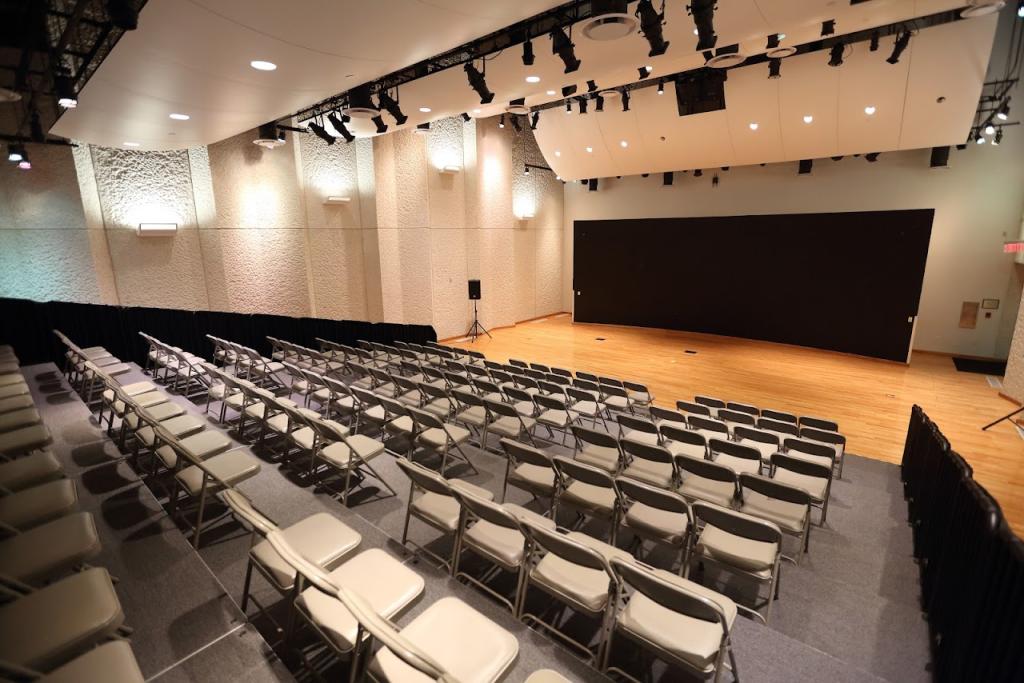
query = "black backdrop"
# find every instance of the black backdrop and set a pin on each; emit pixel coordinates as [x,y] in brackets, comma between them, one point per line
[838,281]
[28,326]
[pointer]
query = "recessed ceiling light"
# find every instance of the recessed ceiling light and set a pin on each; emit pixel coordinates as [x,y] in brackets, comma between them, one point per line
[990,129]
[649,68]
[261,65]
[425,110]
[590,149]
[558,153]
[623,144]
[808,119]
[476,111]
[180,117]
[696,32]
[551,93]
[533,79]
[130,144]
[870,110]
[782,36]
[753,125]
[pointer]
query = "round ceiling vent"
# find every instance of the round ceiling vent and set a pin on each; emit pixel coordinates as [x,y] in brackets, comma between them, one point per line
[360,112]
[981,8]
[724,61]
[360,103]
[613,26]
[781,52]
[608,94]
[7,95]
[516,108]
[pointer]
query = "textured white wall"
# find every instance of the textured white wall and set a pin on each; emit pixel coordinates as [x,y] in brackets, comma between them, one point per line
[1013,382]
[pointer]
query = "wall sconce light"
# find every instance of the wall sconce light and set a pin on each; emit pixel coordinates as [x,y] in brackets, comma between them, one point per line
[334,200]
[450,168]
[156,229]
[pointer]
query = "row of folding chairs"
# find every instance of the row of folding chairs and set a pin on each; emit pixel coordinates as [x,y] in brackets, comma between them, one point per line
[623,596]
[60,616]
[246,362]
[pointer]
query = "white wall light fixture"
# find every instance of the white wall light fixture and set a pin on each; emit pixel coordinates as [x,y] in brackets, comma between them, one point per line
[335,199]
[156,230]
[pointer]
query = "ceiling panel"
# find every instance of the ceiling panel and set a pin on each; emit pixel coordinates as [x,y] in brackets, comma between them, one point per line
[752,98]
[808,87]
[868,80]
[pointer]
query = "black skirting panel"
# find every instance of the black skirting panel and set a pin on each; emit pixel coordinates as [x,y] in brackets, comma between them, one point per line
[839,281]
[28,326]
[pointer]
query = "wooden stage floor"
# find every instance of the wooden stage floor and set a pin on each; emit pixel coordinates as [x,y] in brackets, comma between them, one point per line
[870,399]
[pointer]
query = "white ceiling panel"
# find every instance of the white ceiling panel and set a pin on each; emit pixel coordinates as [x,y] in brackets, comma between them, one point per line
[867,80]
[753,99]
[808,87]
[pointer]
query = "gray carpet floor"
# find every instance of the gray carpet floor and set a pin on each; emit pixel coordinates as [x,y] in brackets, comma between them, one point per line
[848,612]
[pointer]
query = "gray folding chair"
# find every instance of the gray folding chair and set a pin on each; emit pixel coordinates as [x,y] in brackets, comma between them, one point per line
[656,515]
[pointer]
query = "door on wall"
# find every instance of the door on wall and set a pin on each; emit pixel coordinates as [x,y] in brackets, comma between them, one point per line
[846,282]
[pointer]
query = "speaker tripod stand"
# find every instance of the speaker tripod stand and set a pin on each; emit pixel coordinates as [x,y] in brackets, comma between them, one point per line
[476,329]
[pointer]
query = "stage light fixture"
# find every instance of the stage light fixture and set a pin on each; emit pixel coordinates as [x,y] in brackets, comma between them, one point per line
[568,106]
[998,138]
[591,86]
[667,178]
[562,46]
[269,136]
[775,68]
[65,90]
[526,170]
[872,158]
[378,121]
[25,164]
[875,38]
[339,125]
[625,100]
[1003,112]
[568,90]
[899,47]
[836,55]
[940,157]
[828,27]
[1020,9]
[990,129]
[583,104]
[773,41]
[123,14]
[478,83]
[466,117]
[698,173]
[592,185]
[650,25]
[321,133]
[703,12]
[391,106]
[15,153]
[422,128]
[644,72]
[980,139]
[805,167]
[501,121]
[661,86]
[534,119]
[528,56]
[599,103]
[516,126]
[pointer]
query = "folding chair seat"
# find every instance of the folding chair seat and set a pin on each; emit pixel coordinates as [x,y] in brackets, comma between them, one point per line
[50,550]
[819,453]
[583,404]
[494,532]
[654,514]
[587,491]
[553,414]
[14,389]
[779,416]
[639,394]
[811,477]
[742,544]
[398,423]
[787,506]
[684,442]
[159,412]
[14,403]
[11,378]
[201,446]
[24,440]
[30,470]
[709,428]
[765,442]
[834,440]
[407,391]
[436,505]
[33,506]
[705,480]
[349,454]
[713,404]
[111,662]
[338,400]
[440,437]
[437,401]
[681,622]
[575,571]
[663,416]
[50,626]
[16,419]
[547,676]
[528,383]
[529,469]
[522,401]
[638,429]
[597,449]
[503,419]
[735,417]
[383,385]
[737,457]
[648,463]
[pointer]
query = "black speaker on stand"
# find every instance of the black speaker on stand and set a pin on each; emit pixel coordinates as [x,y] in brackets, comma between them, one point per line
[476,329]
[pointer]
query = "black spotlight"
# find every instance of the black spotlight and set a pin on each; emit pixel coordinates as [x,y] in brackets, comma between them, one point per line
[875,37]
[123,14]
[625,100]
[828,28]
[872,158]
[583,104]
[805,166]
[478,83]
[650,24]
[339,125]
[65,90]
[526,170]
[563,47]
[698,173]
[961,147]
[378,121]
[714,180]
[899,47]
[528,53]
[1003,112]
[940,157]
[703,12]
[592,184]
[516,126]
[661,86]
[465,117]
[775,67]
[591,86]
[386,102]
[568,106]
[534,119]
[501,121]
[644,72]
[319,131]
[667,178]
[773,41]
[836,55]
[599,103]
[644,175]
[568,90]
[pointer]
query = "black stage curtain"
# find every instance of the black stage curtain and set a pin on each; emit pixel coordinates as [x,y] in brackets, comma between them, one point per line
[972,564]
[28,327]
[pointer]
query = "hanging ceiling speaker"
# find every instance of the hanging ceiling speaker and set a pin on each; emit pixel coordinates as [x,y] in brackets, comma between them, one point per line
[981,8]
[611,21]
[518,107]
[725,57]
[360,104]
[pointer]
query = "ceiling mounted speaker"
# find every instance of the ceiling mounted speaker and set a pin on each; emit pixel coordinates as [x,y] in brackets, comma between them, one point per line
[611,21]
[518,107]
[360,103]
[980,8]
[726,57]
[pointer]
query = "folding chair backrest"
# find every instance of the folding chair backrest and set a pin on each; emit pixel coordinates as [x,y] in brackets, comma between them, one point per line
[753,434]
[517,394]
[736,417]
[637,424]
[810,448]
[392,407]
[667,415]
[243,508]
[309,571]
[693,408]
[540,367]
[586,385]
[734,449]
[778,415]
[570,550]
[799,466]
[636,387]
[645,451]
[580,472]
[773,489]
[423,419]
[366,397]
[578,394]
[613,390]
[778,426]
[611,381]
[502,377]
[485,386]
[560,371]
[818,423]
[737,523]
[652,496]
[535,374]
[550,388]
[466,397]
[707,424]
[517,362]
[424,478]
[680,435]
[519,452]
[823,436]
[486,510]
[553,402]
[328,431]
[502,409]
[709,401]
[524,382]
[705,469]
[673,595]
[587,376]
[743,408]
[594,437]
